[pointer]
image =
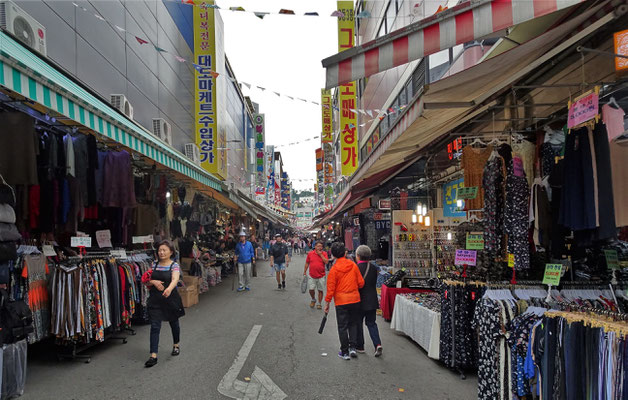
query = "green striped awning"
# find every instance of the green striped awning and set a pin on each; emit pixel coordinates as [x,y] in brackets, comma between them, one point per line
[27,74]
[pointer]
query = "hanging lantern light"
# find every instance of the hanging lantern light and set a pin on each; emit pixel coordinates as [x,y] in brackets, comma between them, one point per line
[427,220]
[421,218]
[414,218]
[448,235]
[424,210]
[419,208]
[459,203]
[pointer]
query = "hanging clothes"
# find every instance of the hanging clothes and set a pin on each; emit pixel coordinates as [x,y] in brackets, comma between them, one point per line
[527,152]
[35,272]
[516,217]
[619,168]
[494,206]
[19,137]
[473,162]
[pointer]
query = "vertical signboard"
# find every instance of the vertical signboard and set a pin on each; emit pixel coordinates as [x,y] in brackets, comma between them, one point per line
[208,53]
[259,133]
[320,176]
[347,95]
[327,136]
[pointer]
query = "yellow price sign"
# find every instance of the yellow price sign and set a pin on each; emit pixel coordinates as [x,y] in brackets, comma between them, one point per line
[511,260]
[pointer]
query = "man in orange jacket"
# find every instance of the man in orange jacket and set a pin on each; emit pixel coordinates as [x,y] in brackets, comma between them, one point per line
[343,284]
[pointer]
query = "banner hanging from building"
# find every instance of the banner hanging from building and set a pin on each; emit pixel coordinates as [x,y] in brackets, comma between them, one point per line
[260,156]
[327,135]
[209,58]
[347,103]
[270,170]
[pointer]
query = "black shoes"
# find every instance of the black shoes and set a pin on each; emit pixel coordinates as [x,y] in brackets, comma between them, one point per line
[176,350]
[151,362]
[279,286]
[283,284]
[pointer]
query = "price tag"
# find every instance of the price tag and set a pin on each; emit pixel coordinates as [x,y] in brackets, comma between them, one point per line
[49,251]
[103,238]
[475,241]
[465,257]
[76,241]
[118,253]
[467,193]
[511,260]
[552,274]
[143,239]
[612,260]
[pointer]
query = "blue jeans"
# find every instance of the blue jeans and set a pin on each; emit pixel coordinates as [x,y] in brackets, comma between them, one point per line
[155,328]
[368,317]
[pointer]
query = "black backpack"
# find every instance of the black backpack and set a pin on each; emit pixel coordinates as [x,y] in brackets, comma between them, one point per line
[16,319]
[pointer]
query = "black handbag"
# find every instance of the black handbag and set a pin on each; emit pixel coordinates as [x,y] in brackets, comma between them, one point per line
[16,319]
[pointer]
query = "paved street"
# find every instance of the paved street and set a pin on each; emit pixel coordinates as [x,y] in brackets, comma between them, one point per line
[288,349]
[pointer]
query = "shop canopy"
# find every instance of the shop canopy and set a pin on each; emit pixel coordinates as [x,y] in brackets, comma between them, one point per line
[466,22]
[30,76]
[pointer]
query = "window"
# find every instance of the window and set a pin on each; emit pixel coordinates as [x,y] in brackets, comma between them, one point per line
[391,13]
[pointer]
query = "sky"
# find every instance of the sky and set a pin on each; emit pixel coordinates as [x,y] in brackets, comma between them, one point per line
[283,54]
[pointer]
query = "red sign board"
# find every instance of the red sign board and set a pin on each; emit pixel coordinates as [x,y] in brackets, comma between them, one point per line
[583,109]
[384,205]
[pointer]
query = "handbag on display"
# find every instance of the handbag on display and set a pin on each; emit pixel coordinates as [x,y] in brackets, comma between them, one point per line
[7,196]
[146,277]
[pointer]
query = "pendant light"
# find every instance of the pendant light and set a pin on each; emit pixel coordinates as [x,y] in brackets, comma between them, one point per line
[427,220]
[424,211]
[421,218]
[448,235]
[414,218]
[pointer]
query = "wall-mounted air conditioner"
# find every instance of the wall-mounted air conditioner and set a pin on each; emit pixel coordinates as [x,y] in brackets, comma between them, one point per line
[193,153]
[120,102]
[162,129]
[21,25]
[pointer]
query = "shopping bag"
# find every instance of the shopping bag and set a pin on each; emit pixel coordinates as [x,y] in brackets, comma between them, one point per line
[304,285]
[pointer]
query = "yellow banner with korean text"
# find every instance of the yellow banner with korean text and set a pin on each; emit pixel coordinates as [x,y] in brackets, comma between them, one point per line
[347,95]
[327,135]
[207,137]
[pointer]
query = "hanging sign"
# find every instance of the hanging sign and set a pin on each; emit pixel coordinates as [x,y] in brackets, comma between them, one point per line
[383,225]
[552,274]
[327,134]
[142,239]
[612,261]
[450,190]
[620,40]
[103,238]
[121,254]
[49,250]
[384,205]
[475,241]
[583,109]
[80,241]
[467,193]
[511,260]
[465,257]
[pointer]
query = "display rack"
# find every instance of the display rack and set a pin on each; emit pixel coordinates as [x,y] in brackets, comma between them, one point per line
[444,248]
[412,245]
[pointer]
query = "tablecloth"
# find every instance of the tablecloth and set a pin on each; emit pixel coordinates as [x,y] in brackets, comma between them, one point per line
[421,324]
[387,301]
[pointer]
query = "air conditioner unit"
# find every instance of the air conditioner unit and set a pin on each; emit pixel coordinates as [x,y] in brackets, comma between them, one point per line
[162,129]
[120,102]
[193,153]
[21,25]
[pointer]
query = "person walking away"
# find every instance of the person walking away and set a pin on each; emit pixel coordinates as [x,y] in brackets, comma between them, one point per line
[244,257]
[256,250]
[295,245]
[164,302]
[368,300]
[280,260]
[315,262]
[343,284]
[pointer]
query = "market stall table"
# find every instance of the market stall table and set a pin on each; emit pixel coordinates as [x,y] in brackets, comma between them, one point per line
[387,302]
[420,323]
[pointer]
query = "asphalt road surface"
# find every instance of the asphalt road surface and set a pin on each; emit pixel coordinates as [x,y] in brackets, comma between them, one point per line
[287,349]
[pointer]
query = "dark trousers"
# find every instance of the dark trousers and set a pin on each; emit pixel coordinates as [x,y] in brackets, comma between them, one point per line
[347,317]
[368,317]
[155,328]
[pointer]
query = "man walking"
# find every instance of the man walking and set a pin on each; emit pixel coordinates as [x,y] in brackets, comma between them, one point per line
[315,262]
[343,285]
[244,257]
[368,300]
[279,260]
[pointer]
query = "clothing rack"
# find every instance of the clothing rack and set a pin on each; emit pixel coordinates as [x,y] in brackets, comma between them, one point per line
[618,316]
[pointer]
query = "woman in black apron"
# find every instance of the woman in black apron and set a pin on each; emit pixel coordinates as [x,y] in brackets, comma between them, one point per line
[164,302]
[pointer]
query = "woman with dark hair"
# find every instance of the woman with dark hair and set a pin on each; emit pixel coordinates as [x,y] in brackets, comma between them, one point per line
[164,302]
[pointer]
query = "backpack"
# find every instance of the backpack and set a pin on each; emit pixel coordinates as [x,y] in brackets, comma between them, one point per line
[16,319]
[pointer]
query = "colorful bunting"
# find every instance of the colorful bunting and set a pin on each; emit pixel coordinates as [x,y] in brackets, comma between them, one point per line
[121,29]
[311,14]
[364,14]
[99,17]
[261,15]
[160,50]
[338,14]
[140,40]
[179,59]
[236,9]
[199,68]
[286,12]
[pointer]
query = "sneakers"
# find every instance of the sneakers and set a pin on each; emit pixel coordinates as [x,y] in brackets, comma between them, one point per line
[342,355]
[319,306]
[283,284]
[151,362]
[312,303]
[240,289]
[279,286]
[175,350]
[379,350]
[361,351]
[353,353]
[248,289]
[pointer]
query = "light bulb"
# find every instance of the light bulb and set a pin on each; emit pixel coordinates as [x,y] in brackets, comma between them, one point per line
[459,203]
[448,235]
[167,195]
[424,210]
[419,207]
[421,218]
[427,221]
[414,218]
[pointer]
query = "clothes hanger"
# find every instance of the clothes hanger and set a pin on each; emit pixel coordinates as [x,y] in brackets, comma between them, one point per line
[613,103]
[477,141]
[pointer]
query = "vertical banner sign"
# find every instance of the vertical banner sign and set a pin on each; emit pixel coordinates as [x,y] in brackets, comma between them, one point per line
[258,132]
[206,127]
[327,136]
[347,95]
[270,171]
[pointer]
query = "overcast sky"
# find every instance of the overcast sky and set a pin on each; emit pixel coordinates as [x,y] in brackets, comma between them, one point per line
[283,54]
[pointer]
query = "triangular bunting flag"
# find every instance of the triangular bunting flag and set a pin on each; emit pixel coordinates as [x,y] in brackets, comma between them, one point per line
[99,17]
[318,104]
[370,113]
[261,88]
[260,15]
[199,68]
[363,124]
[311,14]
[392,110]
[180,59]
[351,126]
[364,14]
[159,49]
[212,6]
[214,74]
[353,111]
[121,29]
[278,94]
[248,85]
[236,9]
[290,97]
[188,2]
[362,111]
[140,40]
[286,12]
[338,14]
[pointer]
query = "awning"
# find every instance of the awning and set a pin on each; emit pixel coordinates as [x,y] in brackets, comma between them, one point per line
[30,76]
[471,20]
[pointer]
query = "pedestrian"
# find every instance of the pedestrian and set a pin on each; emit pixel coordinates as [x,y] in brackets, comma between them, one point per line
[315,262]
[164,302]
[256,252]
[343,284]
[244,257]
[280,260]
[295,245]
[368,300]
[266,247]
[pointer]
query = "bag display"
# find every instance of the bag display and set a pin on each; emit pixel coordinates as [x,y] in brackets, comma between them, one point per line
[16,319]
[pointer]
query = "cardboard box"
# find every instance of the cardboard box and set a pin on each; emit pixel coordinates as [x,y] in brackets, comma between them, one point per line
[189,296]
[192,281]
[186,263]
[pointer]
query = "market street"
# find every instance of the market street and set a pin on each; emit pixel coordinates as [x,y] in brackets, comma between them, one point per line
[288,349]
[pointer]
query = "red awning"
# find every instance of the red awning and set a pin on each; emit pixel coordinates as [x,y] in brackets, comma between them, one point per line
[463,23]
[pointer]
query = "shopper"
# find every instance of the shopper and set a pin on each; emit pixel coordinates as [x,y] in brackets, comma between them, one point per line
[164,302]
[343,284]
[280,260]
[315,262]
[266,247]
[368,300]
[244,258]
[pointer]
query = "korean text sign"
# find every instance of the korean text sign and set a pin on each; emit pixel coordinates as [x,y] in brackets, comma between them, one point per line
[347,96]
[258,132]
[327,136]
[552,274]
[583,110]
[465,257]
